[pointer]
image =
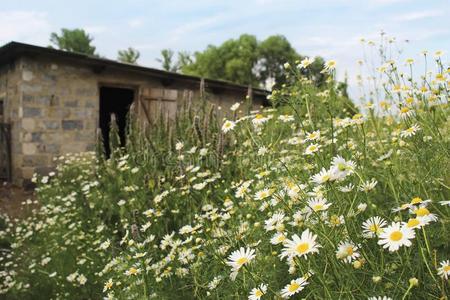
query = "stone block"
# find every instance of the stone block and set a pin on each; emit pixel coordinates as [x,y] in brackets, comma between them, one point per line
[27,98]
[35,160]
[27,172]
[71,103]
[36,137]
[51,125]
[43,100]
[29,148]
[90,103]
[89,92]
[29,112]
[28,124]
[72,124]
[53,148]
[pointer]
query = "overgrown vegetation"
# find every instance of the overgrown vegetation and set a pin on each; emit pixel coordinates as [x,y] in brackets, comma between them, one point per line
[311,199]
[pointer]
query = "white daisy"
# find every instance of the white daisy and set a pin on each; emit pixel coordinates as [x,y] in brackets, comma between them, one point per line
[305,63]
[341,168]
[293,287]
[347,251]
[262,194]
[318,204]
[410,131]
[259,119]
[300,246]
[240,257]
[368,185]
[416,223]
[322,177]
[258,292]
[278,238]
[228,125]
[275,222]
[395,236]
[329,66]
[444,269]
[422,212]
[373,226]
[311,149]
[312,136]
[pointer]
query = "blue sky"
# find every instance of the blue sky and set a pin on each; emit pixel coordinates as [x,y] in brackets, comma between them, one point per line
[330,28]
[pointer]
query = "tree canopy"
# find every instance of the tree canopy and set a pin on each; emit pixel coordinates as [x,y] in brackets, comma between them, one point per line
[246,60]
[129,55]
[73,40]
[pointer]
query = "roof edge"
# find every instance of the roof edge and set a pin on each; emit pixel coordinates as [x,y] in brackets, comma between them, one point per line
[14,50]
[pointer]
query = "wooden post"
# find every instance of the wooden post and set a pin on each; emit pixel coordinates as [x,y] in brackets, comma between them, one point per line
[249,98]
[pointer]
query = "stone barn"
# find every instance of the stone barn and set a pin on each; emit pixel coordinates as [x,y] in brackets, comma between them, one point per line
[54,102]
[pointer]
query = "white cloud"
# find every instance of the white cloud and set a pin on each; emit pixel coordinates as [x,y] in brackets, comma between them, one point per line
[25,26]
[419,15]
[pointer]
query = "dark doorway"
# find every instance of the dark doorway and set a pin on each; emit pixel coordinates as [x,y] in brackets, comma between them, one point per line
[115,101]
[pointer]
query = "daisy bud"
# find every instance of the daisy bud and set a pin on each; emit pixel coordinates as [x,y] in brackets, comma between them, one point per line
[357,264]
[376,279]
[414,281]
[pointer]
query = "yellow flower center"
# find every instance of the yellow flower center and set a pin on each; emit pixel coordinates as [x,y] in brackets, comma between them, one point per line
[132,271]
[242,260]
[281,238]
[342,167]
[413,222]
[416,200]
[423,211]
[259,116]
[349,251]
[293,287]
[318,207]
[258,293]
[396,236]
[404,110]
[446,268]
[302,248]
[374,228]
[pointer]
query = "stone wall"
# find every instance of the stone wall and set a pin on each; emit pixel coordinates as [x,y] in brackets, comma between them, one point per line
[54,108]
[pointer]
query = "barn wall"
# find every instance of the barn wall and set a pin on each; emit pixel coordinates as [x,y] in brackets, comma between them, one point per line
[9,94]
[59,108]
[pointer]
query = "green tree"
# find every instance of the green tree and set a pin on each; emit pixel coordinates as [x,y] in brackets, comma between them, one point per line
[274,52]
[129,55]
[248,61]
[73,40]
[234,60]
[167,61]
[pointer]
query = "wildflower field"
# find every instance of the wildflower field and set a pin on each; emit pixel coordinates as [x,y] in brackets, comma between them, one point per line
[311,198]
